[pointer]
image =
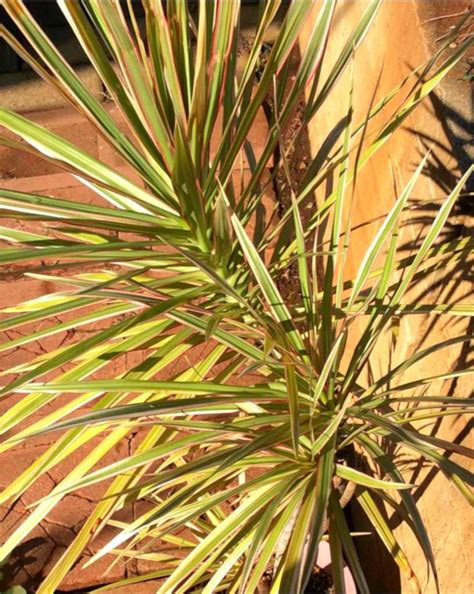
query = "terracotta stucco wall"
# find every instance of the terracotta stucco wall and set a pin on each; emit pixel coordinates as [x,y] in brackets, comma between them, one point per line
[397,41]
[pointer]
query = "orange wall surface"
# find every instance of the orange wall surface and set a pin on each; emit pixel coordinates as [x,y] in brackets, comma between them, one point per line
[396,42]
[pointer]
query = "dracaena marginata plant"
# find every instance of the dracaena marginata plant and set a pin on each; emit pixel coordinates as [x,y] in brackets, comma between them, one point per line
[248,451]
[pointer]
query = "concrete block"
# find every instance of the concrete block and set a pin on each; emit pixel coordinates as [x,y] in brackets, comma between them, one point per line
[24,91]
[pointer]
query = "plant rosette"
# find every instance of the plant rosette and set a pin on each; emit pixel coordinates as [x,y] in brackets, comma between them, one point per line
[223,338]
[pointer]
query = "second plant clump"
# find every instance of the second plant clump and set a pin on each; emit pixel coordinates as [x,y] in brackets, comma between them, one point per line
[246,458]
